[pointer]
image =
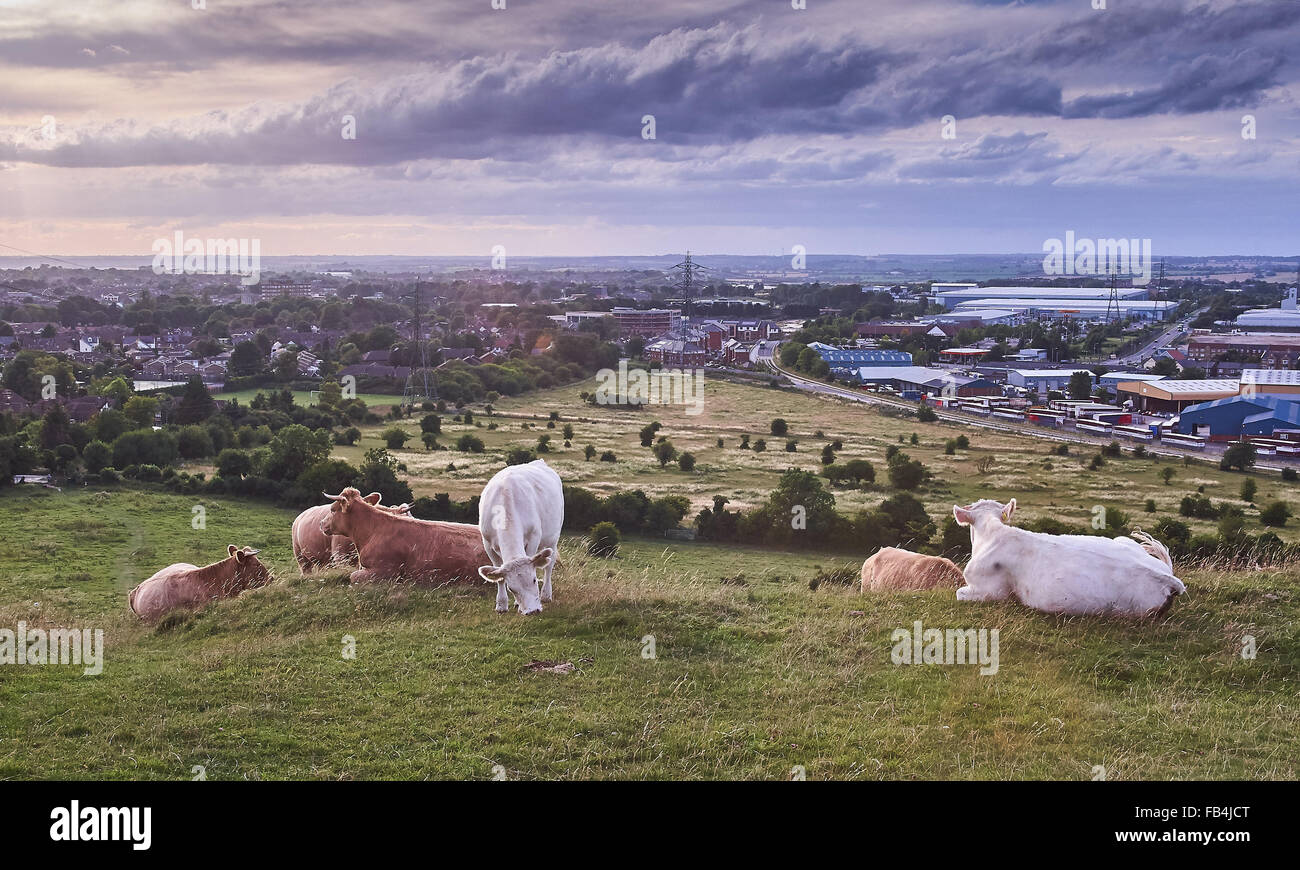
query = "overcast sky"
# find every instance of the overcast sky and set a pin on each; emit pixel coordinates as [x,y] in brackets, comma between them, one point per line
[124,121]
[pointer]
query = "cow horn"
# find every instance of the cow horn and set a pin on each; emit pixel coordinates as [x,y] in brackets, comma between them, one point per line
[338,497]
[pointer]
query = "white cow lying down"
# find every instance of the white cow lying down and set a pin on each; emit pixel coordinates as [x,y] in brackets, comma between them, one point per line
[1077,574]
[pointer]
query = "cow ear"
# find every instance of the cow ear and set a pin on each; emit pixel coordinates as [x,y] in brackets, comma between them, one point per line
[1008,511]
[961,515]
[373,498]
[490,574]
[232,550]
[542,557]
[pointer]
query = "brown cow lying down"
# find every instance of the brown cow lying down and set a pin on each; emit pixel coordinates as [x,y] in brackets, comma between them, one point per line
[399,547]
[314,549]
[891,568]
[183,585]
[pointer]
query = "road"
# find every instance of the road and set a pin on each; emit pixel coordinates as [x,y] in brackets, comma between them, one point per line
[768,354]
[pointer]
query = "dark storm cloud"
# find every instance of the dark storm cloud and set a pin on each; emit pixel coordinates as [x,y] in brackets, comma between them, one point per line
[721,84]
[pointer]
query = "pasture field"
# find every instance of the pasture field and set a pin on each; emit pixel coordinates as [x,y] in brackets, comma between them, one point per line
[1045,485]
[304,397]
[754,673]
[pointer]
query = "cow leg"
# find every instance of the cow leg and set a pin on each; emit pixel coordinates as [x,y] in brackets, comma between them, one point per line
[503,597]
[546,582]
[363,576]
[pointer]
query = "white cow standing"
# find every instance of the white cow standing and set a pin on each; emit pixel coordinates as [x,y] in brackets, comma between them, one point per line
[521,513]
[1075,574]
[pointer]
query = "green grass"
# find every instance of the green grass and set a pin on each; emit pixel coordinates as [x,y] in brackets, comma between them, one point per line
[304,397]
[1044,485]
[754,674]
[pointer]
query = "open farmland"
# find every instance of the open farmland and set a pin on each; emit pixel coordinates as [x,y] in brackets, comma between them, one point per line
[754,673]
[1059,487]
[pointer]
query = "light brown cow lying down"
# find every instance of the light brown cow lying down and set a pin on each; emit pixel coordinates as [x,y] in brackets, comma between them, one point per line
[184,585]
[892,568]
[398,547]
[314,549]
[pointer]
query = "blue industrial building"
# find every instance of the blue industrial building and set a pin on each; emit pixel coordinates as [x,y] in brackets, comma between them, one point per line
[1235,416]
[845,360]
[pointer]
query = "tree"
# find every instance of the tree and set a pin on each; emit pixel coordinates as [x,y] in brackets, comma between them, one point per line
[906,473]
[431,423]
[395,437]
[665,452]
[144,447]
[1276,514]
[196,404]
[97,456]
[430,440]
[1167,474]
[686,462]
[379,474]
[780,427]
[1248,489]
[194,442]
[246,359]
[233,464]
[293,450]
[140,410]
[468,443]
[1080,385]
[1240,455]
[589,451]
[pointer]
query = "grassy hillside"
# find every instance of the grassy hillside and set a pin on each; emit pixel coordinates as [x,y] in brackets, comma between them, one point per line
[1060,487]
[755,673]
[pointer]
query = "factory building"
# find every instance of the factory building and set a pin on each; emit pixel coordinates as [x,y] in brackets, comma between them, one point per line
[1166,396]
[1002,297]
[1042,380]
[920,379]
[1235,417]
[1284,319]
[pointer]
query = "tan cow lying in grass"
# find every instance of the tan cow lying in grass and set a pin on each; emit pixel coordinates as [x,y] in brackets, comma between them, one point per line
[184,585]
[400,547]
[314,549]
[892,568]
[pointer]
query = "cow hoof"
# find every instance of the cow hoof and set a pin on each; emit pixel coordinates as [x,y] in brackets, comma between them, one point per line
[503,610]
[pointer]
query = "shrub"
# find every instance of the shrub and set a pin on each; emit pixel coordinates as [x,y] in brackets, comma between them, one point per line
[963,443]
[1239,456]
[1112,450]
[1290,474]
[780,427]
[97,456]
[608,456]
[605,539]
[430,440]
[760,445]
[193,442]
[1151,505]
[149,473]
[395,437]
[1197,505]
[1248,489]
[665,452]
[233,464]
[791,446]
[468,443]
[686,462]
[589,452]
[431,423]
[520,456]
[1276,514]
[926,414]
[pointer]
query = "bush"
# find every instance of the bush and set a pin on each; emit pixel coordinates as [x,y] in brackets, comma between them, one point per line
[665,452]
[148,473]
[1151,505]
[780,427]
[1290,474]
[193,442]
[468,443]
[589,452]
[1248,489]
[605,539]
[97,455]
[519,456]
[1197,505]
[608,456]
[431,423]
[348,436]
[1112,450]
[791,446]
[430,440]
[686,462]
[395,437]
[144,446]
[233,464]
[963,443]
[926,414]
[109,475]
[1276,514]
[1239,456]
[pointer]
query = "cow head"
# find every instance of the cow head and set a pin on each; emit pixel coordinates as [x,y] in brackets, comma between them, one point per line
[520,577]
[340,519]
[249,573]
[984,508]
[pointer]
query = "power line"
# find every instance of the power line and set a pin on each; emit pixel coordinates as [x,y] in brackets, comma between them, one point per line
[45,256]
